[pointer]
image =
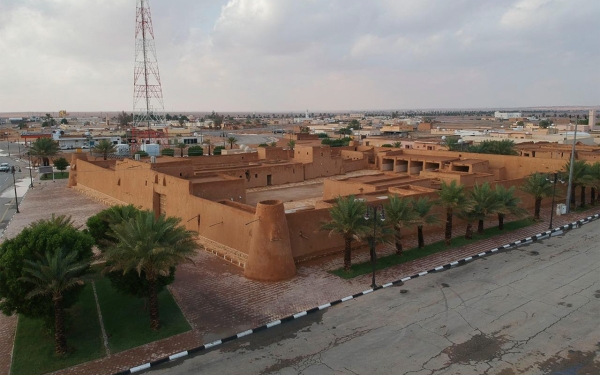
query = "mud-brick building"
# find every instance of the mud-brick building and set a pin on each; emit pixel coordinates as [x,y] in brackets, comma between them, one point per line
[209,193]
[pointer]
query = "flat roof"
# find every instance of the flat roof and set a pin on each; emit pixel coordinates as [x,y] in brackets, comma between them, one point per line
[421,157]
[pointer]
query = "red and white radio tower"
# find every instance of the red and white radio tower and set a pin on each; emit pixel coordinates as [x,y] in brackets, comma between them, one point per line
[148,106]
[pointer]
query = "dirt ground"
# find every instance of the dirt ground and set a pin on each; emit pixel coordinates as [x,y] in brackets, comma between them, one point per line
[289,194]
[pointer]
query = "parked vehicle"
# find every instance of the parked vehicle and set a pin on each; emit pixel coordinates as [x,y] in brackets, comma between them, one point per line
[4,167]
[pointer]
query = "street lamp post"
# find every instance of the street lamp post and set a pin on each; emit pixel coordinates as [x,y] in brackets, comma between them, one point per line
[30,175]
[13,170]
[554,181]
[368,214]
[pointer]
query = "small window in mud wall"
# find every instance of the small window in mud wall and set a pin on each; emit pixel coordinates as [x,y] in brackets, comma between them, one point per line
[164,181]
[156,179]
[119,182]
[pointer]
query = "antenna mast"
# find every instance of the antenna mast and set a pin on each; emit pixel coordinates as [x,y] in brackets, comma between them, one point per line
[148,105]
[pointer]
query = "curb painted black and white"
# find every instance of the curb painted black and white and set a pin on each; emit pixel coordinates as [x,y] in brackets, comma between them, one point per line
[553,232]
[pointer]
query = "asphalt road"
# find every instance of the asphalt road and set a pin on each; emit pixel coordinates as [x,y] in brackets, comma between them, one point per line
[7,195]
[531,310]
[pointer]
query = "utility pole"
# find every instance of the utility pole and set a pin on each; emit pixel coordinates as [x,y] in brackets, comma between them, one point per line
[13,170]
[571,165]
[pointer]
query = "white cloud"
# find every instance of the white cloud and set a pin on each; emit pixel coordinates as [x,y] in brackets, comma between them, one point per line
[289,54]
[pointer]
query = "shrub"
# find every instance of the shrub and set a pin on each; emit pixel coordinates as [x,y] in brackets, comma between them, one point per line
[386,145]
[142,154]
[195,151]
[167,152]
[217,150]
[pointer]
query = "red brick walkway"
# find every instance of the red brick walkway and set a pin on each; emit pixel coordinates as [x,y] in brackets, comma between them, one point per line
[218,301]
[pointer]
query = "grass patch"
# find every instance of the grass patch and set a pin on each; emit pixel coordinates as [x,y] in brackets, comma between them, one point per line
[34,345]
[127,322]
[416,253]
[57,176]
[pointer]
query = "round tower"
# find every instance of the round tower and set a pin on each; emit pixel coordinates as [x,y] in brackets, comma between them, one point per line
[270,254]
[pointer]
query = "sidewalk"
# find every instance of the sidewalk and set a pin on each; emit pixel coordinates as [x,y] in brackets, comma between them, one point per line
[215,297]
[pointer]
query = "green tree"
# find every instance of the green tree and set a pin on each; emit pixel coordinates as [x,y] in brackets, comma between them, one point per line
[520,123]
[44,148]
[130,283]
[181,147]
[48,120]
[511,204]
[195,151]
[594,173]
[400,214]
[354,124]
[544,124]
[485,203]
[468,216]
[273,144]
[64,121]
[291,144]
[539,187]
[167,152]
[397,144]
[423,216]
[105,147]
[581,179]
[452,143]
[232,141]
[61,164]
[263,145]
[40,238]
[52,276]
[503,147]
[217,150]
[452,197]
[124,118]
[142,154]
[347,219]
[151,246]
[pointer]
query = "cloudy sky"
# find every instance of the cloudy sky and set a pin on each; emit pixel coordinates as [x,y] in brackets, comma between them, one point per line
[283,55]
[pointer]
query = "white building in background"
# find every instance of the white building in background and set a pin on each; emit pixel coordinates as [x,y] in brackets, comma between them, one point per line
[507,115]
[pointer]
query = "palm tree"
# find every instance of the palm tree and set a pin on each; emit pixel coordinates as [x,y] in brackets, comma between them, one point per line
[401,215]
[150,245]
[539,187]
[581,178]
[469,216]
[511,204]
[594,173]
[44,148]
[485,203]
[452,197]
[423,216]
[347,219]
[105,147]
[232,141]
[52,276]
[291,144]
[181,147]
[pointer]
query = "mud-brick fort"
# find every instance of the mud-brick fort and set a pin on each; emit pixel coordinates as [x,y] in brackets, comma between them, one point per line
[263,210]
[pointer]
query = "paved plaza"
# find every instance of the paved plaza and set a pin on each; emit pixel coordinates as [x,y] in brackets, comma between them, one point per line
[215,297]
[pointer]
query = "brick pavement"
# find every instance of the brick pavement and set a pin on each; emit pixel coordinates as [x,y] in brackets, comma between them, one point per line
[218,301]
